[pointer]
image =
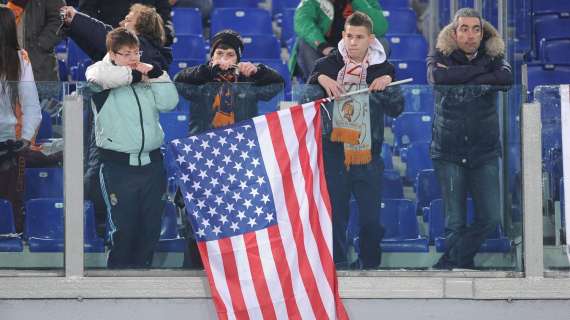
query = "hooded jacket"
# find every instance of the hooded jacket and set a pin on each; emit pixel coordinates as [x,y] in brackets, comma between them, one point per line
[197,85]
[126,110]
[313,20]
[466,124]
[390,101]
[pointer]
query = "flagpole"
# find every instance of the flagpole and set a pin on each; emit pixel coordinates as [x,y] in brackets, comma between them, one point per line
[395,83]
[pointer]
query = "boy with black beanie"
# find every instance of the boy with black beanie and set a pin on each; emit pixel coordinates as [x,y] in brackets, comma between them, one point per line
[221,92]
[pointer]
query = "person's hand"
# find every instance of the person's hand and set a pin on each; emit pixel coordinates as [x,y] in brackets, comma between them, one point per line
[143,68]
[326,51]
[172,2]
[332,88]
[380,83]
[68,13]
[247,68]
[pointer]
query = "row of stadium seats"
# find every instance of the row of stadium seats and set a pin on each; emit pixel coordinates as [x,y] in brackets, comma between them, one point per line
[44,228]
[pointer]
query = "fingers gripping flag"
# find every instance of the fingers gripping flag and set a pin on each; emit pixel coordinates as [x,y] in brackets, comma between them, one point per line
[257,200]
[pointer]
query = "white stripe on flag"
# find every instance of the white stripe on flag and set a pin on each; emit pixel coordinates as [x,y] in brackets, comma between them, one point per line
[245,278]
[565,118]
[292,144]
[218,276]
[282,215]
[312,147]
[271,276]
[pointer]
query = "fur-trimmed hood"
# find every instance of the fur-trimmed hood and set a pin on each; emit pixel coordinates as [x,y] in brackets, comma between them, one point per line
[494,44]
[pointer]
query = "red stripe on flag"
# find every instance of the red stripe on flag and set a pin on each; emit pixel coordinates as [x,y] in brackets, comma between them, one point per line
[304,159]
[258,276]
[323,181]
[220,306]
[284,273]
[341,313]
[292,204]
[232,278]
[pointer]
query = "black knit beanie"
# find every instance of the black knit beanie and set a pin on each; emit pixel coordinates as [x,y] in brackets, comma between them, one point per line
[230,38]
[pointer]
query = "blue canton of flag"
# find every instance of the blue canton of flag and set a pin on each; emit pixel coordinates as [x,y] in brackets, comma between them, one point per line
[224,183]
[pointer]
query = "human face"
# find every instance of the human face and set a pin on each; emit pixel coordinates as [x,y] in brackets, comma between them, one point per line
[224,58]
[468,34]
[357,41]
[127,56]
[130,21]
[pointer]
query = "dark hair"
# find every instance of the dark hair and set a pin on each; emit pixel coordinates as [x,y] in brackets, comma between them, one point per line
[121,37]
[9,59]
[359,19]
[149,23]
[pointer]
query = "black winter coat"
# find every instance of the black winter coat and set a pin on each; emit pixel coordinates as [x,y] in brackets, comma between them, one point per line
[90,34]
[114,11]
[389,102]
[466,123]
[197,85]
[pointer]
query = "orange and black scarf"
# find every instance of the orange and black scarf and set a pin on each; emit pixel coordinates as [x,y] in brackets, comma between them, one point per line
[223,104]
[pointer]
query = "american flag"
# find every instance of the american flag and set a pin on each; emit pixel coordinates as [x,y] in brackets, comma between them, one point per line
[257,200]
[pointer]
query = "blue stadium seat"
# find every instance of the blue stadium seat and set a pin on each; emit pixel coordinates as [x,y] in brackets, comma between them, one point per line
[9,240]
[260,46]
[352,227]
[416,69]
[495,242]
[44,227]
[394,4]
[174,124]
[418,98]
[411,127]
[551,26]
[283,70]
[417,159]
[287,25]
[279,7]
[170,240]
[555,50]
[62,69]
[540,7]
[45,130]
[75,54]
[44,183]
[235,3]
[401,231]
[387,156]
[401,20]
[189,47]
[392,186]
[187,21]
[245,21]
[93,243]
[547,74]
[407,46]
[427,189]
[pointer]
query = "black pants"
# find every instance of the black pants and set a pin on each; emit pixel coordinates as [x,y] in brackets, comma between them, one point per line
[135,200]
[365,183]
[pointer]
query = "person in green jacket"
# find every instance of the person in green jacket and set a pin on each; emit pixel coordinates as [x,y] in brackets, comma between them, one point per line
[319,25]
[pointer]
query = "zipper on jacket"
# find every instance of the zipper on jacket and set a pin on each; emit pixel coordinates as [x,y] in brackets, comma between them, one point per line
[142,126]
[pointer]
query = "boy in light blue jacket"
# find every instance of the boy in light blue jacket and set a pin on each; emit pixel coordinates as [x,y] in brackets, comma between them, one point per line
[128,96]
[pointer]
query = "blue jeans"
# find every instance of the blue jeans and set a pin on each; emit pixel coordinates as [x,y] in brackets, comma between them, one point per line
[482,182]
[365,183]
